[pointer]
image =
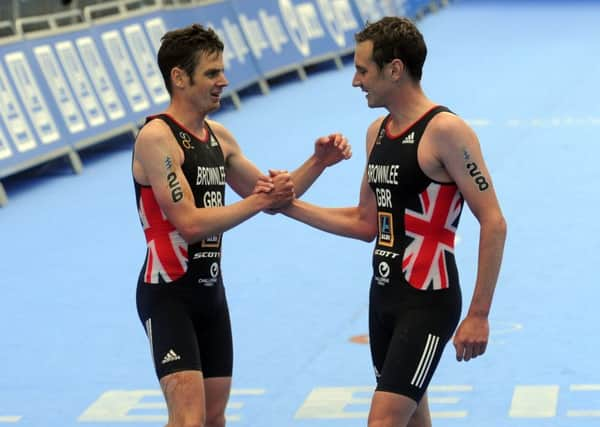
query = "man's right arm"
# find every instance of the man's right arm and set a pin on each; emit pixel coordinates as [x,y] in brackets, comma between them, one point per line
[157,162]
[358,222]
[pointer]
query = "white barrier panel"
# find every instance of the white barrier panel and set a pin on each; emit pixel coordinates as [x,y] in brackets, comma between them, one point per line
[62,92]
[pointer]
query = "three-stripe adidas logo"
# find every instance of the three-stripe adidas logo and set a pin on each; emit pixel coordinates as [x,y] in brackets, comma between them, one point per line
[171,356]
[425,362]
[409,139]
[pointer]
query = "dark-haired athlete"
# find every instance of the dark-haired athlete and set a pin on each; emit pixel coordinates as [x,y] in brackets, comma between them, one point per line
[181,164]
[423,161]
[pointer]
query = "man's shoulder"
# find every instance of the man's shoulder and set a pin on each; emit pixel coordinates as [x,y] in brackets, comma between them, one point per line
[447,124]
[447,130]
[153,125]
[221,132]
[378,121]
[154,133]
[376,124]
[216,126]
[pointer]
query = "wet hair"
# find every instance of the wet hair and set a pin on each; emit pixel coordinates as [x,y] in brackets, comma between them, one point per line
[396,37]
[183,48]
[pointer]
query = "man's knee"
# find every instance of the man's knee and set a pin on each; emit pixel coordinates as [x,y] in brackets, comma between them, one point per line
[390,410]
[419,420]
[421,417]
[188,423]
[217,420]
[384,418]
[379,422]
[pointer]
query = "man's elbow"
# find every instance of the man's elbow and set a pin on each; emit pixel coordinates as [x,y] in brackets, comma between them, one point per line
[498,226]
[503,227]
[367,238]
[189,232]
[367,233]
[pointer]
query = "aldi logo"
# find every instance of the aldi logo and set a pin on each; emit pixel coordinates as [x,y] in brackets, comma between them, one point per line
[386,229]
[211,241]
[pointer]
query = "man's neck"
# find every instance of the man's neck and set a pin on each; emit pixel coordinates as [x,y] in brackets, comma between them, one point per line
[186,116]
[410,104]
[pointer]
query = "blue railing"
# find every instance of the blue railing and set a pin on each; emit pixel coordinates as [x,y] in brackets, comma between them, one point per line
[64,89]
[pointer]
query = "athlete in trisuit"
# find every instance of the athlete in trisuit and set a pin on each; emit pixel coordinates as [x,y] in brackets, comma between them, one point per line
[423,162]
[181,163]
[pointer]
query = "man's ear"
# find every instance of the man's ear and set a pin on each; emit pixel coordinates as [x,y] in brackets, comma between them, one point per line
[178,77]
[396,69]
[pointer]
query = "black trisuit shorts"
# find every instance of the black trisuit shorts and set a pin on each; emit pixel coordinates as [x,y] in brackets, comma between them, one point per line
[408,330]
[188,327]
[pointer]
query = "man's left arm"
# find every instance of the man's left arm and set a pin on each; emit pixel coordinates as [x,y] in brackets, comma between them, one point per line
[460,153]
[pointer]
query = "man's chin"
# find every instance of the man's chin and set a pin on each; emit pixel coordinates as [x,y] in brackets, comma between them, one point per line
[214,106]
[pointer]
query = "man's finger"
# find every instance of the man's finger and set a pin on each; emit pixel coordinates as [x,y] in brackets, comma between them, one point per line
[468,354]
[481,348]
[460,350]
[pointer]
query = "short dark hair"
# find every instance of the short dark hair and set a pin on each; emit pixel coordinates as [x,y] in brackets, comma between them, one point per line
[182,48]
[396,37]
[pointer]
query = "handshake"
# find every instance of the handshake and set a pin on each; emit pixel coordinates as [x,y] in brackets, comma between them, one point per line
[280,188]
[276,190]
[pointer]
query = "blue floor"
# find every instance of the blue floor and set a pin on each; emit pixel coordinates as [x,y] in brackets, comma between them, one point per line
[525,75]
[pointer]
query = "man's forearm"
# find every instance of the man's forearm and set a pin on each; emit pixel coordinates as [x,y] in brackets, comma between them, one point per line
[491,248]
[306,175]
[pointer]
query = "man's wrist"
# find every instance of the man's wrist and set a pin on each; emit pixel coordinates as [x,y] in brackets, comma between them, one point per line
[478,312]
[315,162]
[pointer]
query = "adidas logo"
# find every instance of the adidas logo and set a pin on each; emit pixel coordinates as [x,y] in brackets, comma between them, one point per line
[171,356]
[377,373]
[410,139]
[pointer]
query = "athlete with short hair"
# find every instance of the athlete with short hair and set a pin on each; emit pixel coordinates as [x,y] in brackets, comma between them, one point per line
[423,162]
[181,164]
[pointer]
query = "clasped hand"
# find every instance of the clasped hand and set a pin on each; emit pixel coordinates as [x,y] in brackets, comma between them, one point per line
[277,188]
